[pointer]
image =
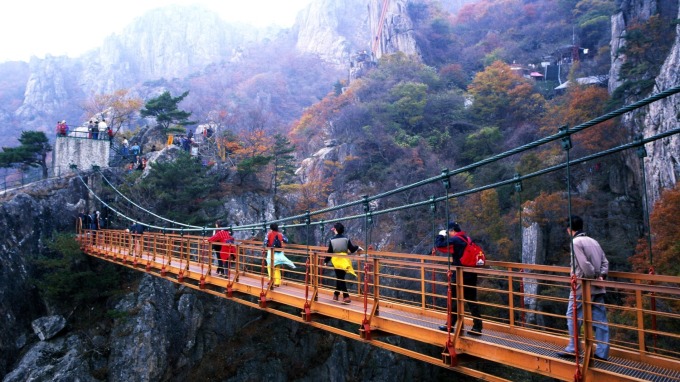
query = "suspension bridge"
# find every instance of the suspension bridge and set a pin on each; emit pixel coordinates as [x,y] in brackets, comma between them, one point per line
[399,300]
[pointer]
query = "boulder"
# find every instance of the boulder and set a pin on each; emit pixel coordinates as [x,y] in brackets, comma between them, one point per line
[48,327]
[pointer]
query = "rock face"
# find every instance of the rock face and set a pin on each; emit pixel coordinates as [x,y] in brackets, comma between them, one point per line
[394,27]
[337,30]
[27,217]
[62,359]
[662,166]
[333,30]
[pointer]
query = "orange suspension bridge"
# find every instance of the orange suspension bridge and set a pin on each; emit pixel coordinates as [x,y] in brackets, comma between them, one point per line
[405,295]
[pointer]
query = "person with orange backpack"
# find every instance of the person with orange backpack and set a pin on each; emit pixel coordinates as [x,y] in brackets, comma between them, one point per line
[455,242]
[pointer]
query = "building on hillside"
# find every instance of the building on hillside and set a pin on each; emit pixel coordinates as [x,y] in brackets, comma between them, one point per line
[601,80]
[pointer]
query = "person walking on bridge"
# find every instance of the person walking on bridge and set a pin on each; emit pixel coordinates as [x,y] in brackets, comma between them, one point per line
[136,230]
[339,246]
[453,241]
[587,262]
[275,241]
[225,250]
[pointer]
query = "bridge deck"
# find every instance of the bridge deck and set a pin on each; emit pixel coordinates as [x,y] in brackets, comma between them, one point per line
[503,340]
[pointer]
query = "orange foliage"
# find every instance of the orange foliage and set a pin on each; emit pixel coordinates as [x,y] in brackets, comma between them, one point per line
[251,144]
[552,208]
[665,239]
[311,124]
[313,195]
[579,105]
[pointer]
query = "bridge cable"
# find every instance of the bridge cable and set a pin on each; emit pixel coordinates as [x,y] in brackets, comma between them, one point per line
[510,180]
[567,146]
[454,195]
[433,210]
[142,208]
[480,163]
[497,157]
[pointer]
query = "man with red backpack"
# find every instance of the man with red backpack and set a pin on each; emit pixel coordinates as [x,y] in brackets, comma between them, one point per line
[455,241]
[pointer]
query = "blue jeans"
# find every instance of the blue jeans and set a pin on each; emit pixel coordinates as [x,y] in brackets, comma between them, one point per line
[600,325]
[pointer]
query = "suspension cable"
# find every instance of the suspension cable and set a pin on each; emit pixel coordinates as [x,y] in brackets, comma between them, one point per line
[142,208]
[497,157]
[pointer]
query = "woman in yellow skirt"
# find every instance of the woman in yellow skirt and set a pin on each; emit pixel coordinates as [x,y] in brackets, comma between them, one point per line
[339,246]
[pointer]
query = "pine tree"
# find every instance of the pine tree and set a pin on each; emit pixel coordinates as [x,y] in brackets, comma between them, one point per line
[164,109]
[284,168]
[32,152]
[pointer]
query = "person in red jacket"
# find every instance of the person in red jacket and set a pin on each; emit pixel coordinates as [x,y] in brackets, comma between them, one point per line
[226,250]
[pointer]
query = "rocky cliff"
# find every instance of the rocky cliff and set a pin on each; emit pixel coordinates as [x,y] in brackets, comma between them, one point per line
[393,26]
[153,329]
[27,218]
[662,166]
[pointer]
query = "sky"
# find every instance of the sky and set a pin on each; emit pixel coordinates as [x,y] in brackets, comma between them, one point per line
[72,27]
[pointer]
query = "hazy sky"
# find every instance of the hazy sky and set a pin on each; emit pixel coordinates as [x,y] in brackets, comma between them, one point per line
[72,27]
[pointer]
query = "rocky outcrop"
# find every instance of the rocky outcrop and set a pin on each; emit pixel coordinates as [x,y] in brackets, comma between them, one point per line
[48,327]
[27,218]
[338,30]
[662,166]
[333,30]
[394,30]
[62,360]
[50,90]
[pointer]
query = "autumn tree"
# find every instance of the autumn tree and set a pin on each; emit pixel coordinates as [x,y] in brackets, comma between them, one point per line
[164,108]
[579,105]
[499,94]
[119,107]
[665,238]
[253,154]
[32,152]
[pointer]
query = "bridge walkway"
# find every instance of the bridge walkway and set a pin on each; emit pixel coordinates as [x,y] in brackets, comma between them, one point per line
[398,297]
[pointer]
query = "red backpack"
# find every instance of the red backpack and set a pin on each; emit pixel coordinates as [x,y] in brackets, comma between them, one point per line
[473,256]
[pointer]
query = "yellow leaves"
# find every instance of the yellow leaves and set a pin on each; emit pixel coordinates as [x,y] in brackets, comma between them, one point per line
[251,144]
[313,195]
[119,107]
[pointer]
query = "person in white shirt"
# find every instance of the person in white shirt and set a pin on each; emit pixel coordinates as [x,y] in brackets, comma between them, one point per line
[102,126]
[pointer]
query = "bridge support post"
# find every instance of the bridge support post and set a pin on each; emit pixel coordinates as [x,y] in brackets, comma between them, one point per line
[449,356]
[365,330]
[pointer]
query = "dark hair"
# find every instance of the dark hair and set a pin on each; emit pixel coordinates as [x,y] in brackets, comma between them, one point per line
[218,223]
[576,223]
[454,226]
[339,228]
[274,227]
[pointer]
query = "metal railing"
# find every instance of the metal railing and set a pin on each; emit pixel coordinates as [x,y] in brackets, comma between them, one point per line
[644,309]
[15,178]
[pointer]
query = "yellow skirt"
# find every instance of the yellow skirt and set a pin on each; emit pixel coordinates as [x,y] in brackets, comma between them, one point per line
[343,262]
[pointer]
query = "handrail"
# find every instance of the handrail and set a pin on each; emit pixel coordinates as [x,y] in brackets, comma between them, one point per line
[397,280]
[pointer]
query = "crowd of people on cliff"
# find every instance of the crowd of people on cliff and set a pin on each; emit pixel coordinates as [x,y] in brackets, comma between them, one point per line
[96,129]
